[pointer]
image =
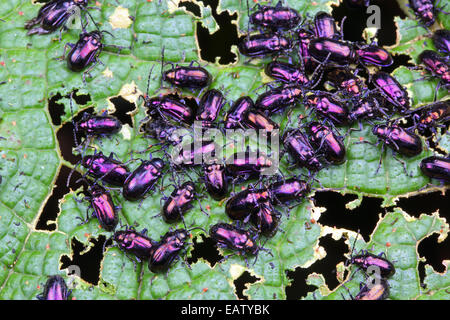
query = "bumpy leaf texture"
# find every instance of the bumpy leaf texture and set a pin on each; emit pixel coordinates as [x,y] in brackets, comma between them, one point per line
[30,160]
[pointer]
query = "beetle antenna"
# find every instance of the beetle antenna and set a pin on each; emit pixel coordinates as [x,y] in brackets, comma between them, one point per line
[148,80]
[96,25]
[75,127]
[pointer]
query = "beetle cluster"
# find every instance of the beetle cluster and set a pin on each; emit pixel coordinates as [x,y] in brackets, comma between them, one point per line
[55,15]
[320,52]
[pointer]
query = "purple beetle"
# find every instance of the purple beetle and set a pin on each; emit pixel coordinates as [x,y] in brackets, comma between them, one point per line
[167,249]
[400,140]
[143,179]
[304,38]
[436,168]
[292,189]
[235,114]
[257,120]
[431,116]
[392,90]
[369,107]
[279,98]
[277,17]
[178,202]
[54,15]
[437,65]
[382,266]
[343,53]
[170,109]
[246,202]
[248,165]
[103,207]
[328,107]
[98,124]
[262,44]
[55,289]
[424,10]
[234,238]
[188,77]
[105,168]
[287,72]
[372,291]
[325,26]
[441,40]
[216,181]
[347,83]
[296,143]
[135,243]
[195,153]
[266,219]
[210,105]
[325,141]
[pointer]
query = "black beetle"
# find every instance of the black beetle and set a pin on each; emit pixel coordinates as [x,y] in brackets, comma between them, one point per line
[279,98]
[104,209]
[55,289]
[216,181]
[235,114]
[392,90]
[436,168]
[277,17]
[424,10]
[178,202]
[107,169]
[54,15]
[441,40]
[143,179]
[328,107]
[167,249]
[210,105]
[234,238]
[296,143]
[262,44]
[325,141]
[437,65]
[135,243]
[246,202]
[248,165]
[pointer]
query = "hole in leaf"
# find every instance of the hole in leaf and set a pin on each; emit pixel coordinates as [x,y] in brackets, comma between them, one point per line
[356,21]
[326,267]
[206,250]
[399,60]
[241,282]
[56,110]
[219,43]
[51,208]
[88,262]
[123,108]
[191,7]
[65,136]
[364,217]
[434,254]
[426,203]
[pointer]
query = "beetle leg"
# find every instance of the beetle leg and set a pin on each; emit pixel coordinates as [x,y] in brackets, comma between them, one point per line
[404,166]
